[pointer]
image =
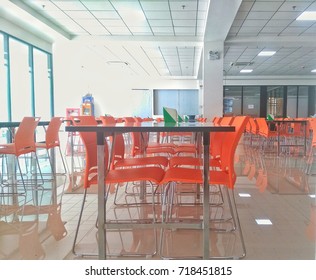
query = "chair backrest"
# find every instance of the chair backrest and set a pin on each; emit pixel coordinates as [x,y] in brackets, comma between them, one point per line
[119,145]
[52,132]
[24,139]
[89,140]
[263,128]
[107,120]
[229,146]
[254,125]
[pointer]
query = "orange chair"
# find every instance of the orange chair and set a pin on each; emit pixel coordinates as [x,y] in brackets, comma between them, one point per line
[224,176]
[152,174]
[23,144]
[312,148]
[52,141]
[119,159]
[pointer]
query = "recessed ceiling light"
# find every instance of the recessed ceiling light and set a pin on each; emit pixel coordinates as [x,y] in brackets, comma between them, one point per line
[313,71]
[246,70]
[263,222]
[244,195]
[266,53]
[308,15]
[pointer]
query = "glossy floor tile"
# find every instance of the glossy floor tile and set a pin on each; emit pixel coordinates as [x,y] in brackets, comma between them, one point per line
[276,192]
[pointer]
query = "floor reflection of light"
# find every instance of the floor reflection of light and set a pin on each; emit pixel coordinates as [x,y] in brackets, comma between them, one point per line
[244,194]
[263,222]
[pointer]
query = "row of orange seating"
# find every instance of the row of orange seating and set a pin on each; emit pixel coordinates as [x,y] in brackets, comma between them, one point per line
[159,169]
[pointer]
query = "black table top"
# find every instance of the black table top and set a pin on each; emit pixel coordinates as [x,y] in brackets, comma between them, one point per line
[152,127]
[16,124]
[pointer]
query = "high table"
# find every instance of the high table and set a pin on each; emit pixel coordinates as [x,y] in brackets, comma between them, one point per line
[102,131]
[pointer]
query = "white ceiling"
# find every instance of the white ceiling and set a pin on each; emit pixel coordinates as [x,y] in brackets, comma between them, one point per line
[165,37]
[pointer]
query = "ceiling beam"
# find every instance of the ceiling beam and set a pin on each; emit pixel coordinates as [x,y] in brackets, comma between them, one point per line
[272,41]
[221,14]
[39,17]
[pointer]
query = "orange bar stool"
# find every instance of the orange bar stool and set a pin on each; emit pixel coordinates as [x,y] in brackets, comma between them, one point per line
[51,142]
[117,176]
[23,144]
[225,176]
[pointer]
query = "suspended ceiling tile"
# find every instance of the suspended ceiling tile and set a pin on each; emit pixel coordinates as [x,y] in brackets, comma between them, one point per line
[187,15]
[184,22]
[97,5]
[184,5]
[112,22]
[242,15]
[266,6]
[160,22]
[163,29]
[158,14]
[272,29]
[116,30]
[106,14]
[155,5]
[69,5]
[300,6]
[189,31]
[280,22]
[260,15]
[286,15]
[293,30]
[126,5]
[140,29]
[80,15]
[256,23]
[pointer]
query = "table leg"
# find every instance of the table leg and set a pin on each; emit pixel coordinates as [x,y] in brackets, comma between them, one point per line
[206,197]
[101,196]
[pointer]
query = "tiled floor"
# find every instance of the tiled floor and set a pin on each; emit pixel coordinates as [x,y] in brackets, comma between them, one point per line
[287,201]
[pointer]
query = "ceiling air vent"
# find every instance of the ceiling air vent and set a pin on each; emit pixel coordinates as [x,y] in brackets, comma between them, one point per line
[241,64]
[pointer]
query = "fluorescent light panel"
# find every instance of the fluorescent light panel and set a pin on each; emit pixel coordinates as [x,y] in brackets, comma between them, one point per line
[313,71]
[308,15]
[266,53]
[246,70]
[263,222]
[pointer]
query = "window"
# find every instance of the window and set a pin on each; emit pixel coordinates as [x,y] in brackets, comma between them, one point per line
[26,80]
[185,101]
[20,80]
[251,101]
[275,100]
[291,101]
[302,111]
[3,80]
[232,100]
[42,84]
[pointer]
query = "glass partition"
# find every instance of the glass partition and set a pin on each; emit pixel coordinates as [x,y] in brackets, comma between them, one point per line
[291,108]
[302,111]
[275,101]
[232,100]
[41,84]
[20,80]
[251,101]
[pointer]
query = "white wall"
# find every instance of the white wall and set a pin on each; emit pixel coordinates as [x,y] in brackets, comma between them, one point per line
[78,71]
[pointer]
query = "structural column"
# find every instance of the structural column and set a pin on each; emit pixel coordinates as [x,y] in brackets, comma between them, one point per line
[213,67]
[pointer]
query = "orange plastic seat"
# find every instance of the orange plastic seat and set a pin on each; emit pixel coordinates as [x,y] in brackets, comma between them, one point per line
[23,144]
[52,141]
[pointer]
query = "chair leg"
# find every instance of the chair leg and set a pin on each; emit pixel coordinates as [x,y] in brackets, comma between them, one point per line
[77,230]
